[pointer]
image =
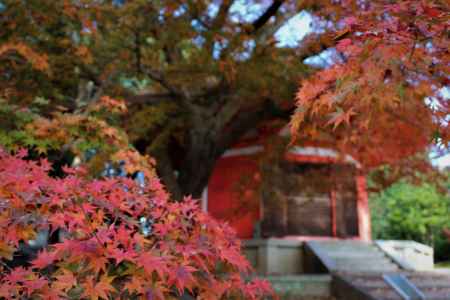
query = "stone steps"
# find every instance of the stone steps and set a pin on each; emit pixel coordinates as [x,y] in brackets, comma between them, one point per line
[385,294]
[362,263]
[376,287]
[372,254]
[436,293]
[301,286]
[433,286]
[372,286]
[319,287]
[367,286]
[352,256]
[358,270]
[371,269]
[427,282]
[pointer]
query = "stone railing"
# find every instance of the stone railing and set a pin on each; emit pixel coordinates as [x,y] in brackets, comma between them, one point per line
[409,255]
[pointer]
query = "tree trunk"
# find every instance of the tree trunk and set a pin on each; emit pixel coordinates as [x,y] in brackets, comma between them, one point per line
[199,162]
[211,136]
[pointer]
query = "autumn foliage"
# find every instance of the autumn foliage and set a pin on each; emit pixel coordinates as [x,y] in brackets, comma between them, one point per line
[201,82]
[383,101]
[105,254]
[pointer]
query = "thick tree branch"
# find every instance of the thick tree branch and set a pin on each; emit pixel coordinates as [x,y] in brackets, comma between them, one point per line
[314,44]
[149,98]
[137,51]
[270,29]
[222,15]
[194,13]
[255,26]
[160,78]
[167,173]
[270,11]
[206,147]
[89,73]
[226,112]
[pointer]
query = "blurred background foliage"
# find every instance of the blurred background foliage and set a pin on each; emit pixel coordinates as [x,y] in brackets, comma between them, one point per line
[405,211]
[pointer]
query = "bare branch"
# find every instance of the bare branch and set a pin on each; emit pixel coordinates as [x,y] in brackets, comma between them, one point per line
[270,11]
[160,78]
[270,29]
[222,14]
[194,13]
[266,32]
[314,44]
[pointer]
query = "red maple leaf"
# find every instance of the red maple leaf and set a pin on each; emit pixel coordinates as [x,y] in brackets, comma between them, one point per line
[135,285]
[233,257]
[182,278]
[98,263]
[19,274]
[102,289]
[343,44]
[121,255]
[64,281]
[44,259]
[35,284]
[152,263]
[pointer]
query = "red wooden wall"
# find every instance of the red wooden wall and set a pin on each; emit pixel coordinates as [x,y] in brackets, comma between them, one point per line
[225,200]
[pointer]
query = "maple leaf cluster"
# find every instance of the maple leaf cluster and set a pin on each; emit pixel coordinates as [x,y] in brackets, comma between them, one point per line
[383,102]
[89,130]
[104,254]
[38,61]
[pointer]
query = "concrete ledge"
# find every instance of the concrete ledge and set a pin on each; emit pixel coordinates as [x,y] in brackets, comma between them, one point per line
[299,286]
[272,242]
[409,255]
[274,256]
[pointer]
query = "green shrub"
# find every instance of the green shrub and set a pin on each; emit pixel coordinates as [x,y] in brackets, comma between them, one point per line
[408,212]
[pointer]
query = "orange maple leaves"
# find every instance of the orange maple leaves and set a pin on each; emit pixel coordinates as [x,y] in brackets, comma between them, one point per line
[383,103]
[110,104]
[38,61]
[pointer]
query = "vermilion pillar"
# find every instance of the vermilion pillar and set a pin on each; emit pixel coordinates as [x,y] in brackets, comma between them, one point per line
[362,206]
[333,213]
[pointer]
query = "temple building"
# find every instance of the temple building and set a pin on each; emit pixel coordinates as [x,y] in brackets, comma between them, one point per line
[264,188]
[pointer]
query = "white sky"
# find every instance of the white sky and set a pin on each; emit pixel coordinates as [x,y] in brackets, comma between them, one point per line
[442,162]
[294,30]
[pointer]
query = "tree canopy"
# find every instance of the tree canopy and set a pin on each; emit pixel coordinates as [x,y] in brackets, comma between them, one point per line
[386,100]
[197,75]
[211,72]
